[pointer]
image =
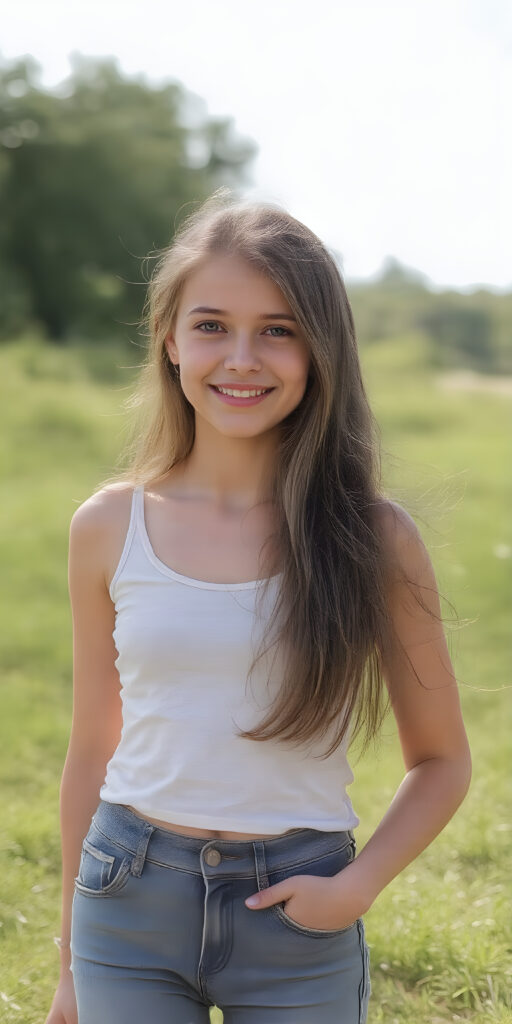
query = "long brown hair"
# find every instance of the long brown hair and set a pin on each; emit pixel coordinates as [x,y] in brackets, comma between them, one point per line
[331,605]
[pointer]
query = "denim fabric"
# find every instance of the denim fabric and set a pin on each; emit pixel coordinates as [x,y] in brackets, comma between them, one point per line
[160,931]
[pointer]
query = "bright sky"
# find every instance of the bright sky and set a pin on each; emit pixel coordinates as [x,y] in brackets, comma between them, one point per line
[384,126]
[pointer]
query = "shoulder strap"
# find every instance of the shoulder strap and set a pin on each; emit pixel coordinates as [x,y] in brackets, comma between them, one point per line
[138,504]
[137,508]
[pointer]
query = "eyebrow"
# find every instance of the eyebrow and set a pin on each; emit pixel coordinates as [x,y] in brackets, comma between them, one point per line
[224,312]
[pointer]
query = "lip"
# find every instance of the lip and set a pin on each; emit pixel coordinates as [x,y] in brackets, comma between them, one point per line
[239,385]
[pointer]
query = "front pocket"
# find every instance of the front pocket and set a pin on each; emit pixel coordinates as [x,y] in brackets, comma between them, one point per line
[104,868]
[326,865]
[313,932]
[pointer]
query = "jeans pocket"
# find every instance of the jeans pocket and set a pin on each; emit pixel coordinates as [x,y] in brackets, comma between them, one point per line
[312,932]
[326,865]
[104,866]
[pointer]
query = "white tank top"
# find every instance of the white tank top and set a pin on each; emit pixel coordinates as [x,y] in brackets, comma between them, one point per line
[184,651]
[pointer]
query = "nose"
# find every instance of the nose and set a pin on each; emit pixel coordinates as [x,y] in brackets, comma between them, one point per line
[243,355]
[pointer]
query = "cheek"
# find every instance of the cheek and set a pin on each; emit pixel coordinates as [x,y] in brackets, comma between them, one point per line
[198,360]
[299,359]
[298,371]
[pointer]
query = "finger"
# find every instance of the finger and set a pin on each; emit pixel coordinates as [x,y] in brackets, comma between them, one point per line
[267,897]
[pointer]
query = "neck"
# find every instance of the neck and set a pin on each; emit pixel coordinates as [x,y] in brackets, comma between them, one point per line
[233,473]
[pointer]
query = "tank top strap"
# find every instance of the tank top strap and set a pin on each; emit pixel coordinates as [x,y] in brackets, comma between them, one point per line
[137,514]
[135,527]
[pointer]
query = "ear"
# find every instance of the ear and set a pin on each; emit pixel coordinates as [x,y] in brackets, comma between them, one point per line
[172,351]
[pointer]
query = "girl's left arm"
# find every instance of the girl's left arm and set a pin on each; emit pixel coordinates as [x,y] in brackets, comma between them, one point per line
[424,697]
[425,701]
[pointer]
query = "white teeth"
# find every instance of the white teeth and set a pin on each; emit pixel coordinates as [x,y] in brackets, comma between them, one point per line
[236,393]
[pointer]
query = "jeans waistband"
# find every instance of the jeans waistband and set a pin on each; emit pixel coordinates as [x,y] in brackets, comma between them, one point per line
[231,856]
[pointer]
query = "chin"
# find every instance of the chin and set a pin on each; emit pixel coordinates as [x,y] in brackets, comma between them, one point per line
[244,434]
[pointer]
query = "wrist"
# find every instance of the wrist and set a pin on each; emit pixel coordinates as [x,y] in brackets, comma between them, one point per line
[354,879]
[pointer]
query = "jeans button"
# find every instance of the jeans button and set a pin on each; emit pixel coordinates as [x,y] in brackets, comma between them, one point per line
[212,858]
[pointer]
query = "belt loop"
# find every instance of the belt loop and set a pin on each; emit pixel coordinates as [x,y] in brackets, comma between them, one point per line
[140,856]
[260,864]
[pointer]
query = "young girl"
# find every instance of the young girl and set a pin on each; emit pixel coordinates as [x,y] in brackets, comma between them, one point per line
[250,586]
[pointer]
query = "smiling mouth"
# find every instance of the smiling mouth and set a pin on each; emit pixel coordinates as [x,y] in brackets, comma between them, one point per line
[241,392]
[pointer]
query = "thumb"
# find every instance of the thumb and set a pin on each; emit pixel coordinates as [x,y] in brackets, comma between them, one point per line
[266,897]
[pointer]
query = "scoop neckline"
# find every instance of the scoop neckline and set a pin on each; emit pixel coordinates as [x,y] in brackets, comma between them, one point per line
[189,581]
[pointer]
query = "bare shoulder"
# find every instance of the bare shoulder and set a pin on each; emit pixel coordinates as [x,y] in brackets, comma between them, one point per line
[403,544]
[102,506]
[100,523]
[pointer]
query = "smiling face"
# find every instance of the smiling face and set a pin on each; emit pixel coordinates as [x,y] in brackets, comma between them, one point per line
[235,329]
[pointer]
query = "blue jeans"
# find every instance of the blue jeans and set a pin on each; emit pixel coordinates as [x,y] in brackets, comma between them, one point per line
[160,931]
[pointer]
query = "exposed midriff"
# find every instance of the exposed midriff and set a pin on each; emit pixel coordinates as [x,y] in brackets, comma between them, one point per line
[202,833]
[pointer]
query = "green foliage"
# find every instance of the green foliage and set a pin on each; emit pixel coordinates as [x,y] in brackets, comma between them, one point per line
[463,331]
[461,334]
[96,175]
[440,934]
[92,179]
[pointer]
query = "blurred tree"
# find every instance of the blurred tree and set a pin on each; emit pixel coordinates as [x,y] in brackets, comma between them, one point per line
[460,334]
[92,178]
[384,306]
[472,331]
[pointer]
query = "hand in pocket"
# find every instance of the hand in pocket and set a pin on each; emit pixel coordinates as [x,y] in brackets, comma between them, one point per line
[314,901]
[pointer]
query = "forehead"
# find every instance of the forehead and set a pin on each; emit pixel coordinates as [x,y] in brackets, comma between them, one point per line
[230,283]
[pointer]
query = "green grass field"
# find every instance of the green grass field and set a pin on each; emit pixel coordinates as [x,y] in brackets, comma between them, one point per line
[440,934]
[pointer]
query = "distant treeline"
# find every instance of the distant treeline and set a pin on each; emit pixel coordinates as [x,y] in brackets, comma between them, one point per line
[96,175]
[470,331]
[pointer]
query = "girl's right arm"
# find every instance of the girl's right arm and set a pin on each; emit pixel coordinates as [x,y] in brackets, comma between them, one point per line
[97,715]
